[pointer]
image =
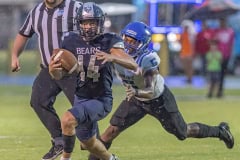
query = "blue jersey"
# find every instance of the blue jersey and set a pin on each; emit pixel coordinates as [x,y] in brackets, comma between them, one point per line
[147,62]
[95,79]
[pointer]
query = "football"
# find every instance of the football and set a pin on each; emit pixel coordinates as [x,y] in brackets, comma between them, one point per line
[69,63]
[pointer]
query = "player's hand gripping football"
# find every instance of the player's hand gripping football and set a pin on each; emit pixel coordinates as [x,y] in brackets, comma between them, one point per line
[55,68]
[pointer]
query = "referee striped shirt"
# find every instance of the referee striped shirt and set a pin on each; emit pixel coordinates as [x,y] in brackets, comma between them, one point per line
[50,25]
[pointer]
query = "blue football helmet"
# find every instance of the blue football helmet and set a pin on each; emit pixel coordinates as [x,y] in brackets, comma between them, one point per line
[141,33]
[90,11]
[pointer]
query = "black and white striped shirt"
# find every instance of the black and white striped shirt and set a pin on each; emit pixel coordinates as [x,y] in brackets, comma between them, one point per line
[50,25]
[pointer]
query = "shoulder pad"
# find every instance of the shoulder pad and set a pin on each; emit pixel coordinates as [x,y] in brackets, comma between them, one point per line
[119,45]
[115,40]
[68,35]
[68,39]
[149,61]
[110,34]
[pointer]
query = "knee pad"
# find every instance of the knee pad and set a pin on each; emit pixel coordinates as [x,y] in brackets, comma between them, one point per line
[180,134]
[193,129]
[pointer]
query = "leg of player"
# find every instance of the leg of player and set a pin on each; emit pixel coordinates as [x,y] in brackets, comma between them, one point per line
[174,123]
[68,124]
[93,145]
[222,131]
[126,115]
[42,100]
[109,135]
[106,138]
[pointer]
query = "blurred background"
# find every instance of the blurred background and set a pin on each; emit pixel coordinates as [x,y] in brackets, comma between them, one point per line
[165,17]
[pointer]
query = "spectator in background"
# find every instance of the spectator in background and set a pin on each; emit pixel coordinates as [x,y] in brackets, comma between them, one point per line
[225,37]
[186,53]
[214,59]
[202,44]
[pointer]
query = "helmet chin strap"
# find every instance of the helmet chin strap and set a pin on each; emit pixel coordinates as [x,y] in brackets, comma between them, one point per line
[91,33]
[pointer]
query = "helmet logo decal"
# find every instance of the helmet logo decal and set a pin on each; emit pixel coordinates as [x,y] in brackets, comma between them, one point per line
[131,32]
[88,11]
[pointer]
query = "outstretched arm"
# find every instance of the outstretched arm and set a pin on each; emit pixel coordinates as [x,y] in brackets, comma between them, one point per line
[118,56]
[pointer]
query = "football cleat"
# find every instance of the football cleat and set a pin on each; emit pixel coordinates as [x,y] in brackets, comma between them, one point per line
[54,152]
[225,135]
[92,157]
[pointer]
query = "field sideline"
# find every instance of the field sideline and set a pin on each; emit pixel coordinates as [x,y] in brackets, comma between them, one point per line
[22,136]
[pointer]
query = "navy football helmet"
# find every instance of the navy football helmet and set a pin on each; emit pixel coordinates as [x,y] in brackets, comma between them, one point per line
[93,14]
[141,33]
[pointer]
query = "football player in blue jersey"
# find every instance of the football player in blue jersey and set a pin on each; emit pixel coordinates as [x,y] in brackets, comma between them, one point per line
[96,53]
[146,93]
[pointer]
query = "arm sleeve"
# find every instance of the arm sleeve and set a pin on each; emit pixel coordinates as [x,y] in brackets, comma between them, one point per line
[116,41]
[27,27]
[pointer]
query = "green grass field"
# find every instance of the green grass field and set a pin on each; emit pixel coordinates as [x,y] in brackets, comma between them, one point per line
[22,136]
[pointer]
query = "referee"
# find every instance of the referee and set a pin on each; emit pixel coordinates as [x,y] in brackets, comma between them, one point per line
[50,20]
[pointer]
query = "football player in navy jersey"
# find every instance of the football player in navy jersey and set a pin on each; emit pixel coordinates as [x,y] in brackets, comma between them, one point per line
[146,93]
[96,53]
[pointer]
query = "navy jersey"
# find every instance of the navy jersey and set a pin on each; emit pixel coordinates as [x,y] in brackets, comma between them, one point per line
[95,79]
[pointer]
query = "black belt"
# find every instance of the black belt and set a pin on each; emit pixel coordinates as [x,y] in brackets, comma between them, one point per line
[152,106]
[158,100]
[153,102]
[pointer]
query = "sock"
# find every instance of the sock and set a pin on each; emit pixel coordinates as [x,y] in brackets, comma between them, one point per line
[65,158]
[113,157]
[208,131]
